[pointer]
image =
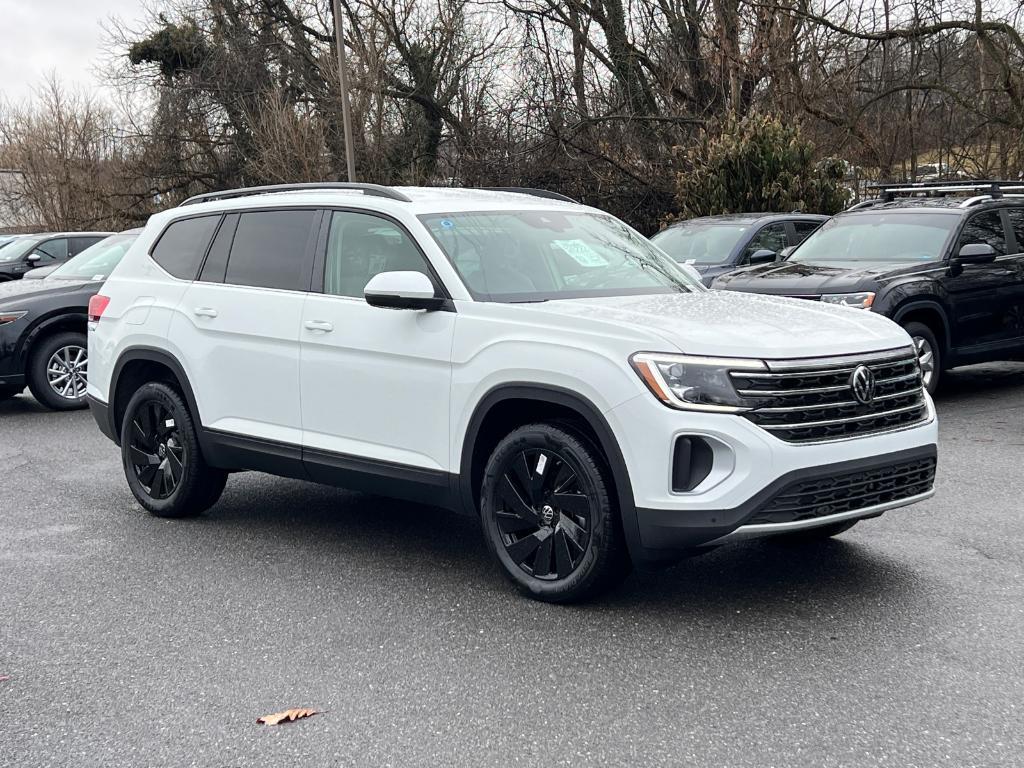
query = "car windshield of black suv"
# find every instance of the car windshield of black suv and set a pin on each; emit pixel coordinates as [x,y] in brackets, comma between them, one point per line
[878,237]
[95,262]
[522,256]
[700,242]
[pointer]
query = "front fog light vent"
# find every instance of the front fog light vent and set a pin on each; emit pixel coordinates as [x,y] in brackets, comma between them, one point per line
[691,463]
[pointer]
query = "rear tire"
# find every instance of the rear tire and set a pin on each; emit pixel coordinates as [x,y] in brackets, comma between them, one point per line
[813,535]
[58,369]
[929,354]
[550,517]
[162,460]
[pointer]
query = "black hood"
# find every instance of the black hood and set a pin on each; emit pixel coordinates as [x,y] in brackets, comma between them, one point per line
[21,290]
[791,278]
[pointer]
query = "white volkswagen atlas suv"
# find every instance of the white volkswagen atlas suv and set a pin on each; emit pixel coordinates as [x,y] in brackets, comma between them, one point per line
[507,353]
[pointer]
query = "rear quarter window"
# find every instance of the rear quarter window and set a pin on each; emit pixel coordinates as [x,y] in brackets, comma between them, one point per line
[182,246]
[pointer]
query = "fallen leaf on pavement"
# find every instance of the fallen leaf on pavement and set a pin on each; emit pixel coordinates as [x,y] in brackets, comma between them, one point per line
[287,716]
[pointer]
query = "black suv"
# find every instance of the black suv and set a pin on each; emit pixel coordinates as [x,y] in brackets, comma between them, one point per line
[947,267]
[27,252]
[714,245]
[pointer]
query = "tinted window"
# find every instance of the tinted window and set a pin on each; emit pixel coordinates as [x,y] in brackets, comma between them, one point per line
[803,229]
[1017,222]
[183,244]
[770,238]
[361,246]
[53,250]
[79,244]
[216,264]
[270,250]
[985,228]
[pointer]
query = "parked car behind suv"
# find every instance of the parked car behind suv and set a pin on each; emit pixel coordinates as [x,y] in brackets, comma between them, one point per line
[519,357]
[32,251]
[950,270]
[714,245]
[43,326]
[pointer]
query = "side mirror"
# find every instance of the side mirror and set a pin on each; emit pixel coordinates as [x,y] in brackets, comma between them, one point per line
[976,253]
[402,290]
[763,256]
[784,253]
[32,258]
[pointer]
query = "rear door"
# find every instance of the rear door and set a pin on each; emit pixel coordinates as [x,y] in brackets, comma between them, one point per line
[1014,317]
[981,294]
[375,382]
[238,324]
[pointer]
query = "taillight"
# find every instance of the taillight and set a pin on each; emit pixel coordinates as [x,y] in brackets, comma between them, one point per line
[97,306]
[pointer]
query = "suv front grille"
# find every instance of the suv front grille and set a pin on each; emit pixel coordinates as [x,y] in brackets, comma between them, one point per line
[807,499]
[813,400]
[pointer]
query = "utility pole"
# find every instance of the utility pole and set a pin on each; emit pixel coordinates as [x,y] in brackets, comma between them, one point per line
[346,114]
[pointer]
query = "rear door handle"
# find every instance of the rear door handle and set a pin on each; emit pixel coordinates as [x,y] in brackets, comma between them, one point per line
[318,325]
[204,312]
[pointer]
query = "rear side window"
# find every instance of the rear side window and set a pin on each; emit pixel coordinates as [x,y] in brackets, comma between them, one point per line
[183,244]
[802,229]
[1017,223]
[271,250]
[985,228]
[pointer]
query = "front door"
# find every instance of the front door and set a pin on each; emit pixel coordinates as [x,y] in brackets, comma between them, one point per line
[375,382]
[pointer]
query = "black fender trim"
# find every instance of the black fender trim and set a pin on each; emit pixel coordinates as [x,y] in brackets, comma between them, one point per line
[154,355]
[934,306]
[595,419]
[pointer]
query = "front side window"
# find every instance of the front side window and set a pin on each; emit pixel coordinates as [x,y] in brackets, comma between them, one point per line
[698,242]
[985,227]
[97,261]
[183,244]
[361,246]
[271,250]
[770,238]
[53,250]
[539,255]
[878,237]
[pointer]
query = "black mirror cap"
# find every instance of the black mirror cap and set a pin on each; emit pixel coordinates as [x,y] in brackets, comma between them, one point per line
[385,301]
[976,253]
[763,256]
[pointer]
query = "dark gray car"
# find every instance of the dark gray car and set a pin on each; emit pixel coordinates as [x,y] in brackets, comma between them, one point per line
[714,245]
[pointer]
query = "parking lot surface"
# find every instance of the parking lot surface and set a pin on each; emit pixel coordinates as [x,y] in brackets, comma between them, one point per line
[126,640]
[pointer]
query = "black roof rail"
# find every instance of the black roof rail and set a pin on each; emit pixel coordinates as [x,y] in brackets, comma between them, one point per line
[374,190]
[994,188]
[545,193]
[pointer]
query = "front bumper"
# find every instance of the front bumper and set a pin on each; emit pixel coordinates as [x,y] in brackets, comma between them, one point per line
[751,469]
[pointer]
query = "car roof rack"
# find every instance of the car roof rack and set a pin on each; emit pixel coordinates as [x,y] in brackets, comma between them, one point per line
[374,190]
[545,193]
[988,189]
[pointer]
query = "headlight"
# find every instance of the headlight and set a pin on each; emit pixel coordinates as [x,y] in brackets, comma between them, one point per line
[10,317]
[862,300]
[695,383]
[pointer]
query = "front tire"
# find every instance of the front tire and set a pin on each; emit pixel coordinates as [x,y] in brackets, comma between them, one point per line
[929,354]
[162,460]
[58,370]
[549,515]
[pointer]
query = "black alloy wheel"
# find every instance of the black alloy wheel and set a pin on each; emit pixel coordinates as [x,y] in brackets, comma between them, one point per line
[156,451]
[544,515]
[549,514]
[162,460]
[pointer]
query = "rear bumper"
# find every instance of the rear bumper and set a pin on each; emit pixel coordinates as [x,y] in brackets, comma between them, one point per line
[664,531]
[104,419]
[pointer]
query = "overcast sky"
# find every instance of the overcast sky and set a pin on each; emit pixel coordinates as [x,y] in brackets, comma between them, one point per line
[63,36]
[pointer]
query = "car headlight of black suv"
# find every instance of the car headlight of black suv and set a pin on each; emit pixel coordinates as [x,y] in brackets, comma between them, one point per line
[859,300]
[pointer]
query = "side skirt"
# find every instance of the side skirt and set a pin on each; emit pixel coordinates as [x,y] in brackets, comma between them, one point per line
[401,481]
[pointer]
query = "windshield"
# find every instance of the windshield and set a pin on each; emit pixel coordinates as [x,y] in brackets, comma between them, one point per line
[700,243]
[96,261]
[887,237]
[539,255]
[16,249]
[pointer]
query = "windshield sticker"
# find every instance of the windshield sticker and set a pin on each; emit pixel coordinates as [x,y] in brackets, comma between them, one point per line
[98,277]
[447,223]
[581,253]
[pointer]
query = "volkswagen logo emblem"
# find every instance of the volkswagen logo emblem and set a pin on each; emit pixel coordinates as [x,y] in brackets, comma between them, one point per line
[862,383]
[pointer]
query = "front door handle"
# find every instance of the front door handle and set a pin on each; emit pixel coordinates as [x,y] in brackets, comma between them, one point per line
[318,325]
[204,312]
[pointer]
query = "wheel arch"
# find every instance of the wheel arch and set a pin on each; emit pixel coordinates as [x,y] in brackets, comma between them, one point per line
[930,313]
[57,322]
[522,403]
[136,366]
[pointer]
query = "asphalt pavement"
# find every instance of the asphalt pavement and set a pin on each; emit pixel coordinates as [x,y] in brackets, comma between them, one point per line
[126,640]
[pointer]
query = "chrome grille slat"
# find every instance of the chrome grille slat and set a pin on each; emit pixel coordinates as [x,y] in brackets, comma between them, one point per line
[811,400]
